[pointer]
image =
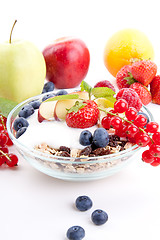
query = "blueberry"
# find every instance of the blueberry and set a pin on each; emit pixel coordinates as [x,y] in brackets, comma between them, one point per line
[99,217]
[85,138]
[20,131]
[19,123]
[100,138]
[48,96]
[75,233]
[26,111]
[61,92]
[48,87]
[35,104]
[144,114]
[83,203]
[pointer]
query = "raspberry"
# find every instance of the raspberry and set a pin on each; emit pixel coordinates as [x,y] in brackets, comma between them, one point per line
[131,97]
[104,83]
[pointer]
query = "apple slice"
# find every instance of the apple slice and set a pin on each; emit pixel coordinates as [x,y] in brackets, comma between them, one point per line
[61,107]
[46,111]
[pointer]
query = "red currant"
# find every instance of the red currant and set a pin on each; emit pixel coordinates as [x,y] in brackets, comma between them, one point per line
[4,149]
[3,139]
[131,113]
[142,139]
[156,162]
[1,127]
[156,138]
[121,132]
[120,106]
[106,122]
[2,160]
[140,120]
[155,150]
[116,122]
[147,157]
[132,130]
[9,142]
[12,160]
[152,127]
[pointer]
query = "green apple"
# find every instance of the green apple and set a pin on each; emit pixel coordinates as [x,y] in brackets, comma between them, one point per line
[22,70]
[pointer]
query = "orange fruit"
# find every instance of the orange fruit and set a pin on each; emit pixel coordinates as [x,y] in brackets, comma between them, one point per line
[124,47]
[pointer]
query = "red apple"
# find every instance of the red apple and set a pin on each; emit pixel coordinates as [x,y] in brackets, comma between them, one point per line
[67,62]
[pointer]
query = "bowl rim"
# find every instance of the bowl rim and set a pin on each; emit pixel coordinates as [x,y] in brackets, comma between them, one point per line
[54,158]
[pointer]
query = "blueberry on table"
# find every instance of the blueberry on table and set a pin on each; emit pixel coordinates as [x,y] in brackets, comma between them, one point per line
[61,92]
[75,233]
[83,203]
[20,131]
[99,217]
[100,138]
[19,123]
[85,138]
[26,111]
[35,104]
[48,96]
[48,87]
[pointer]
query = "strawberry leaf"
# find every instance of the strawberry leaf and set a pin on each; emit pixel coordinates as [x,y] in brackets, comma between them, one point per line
[6,106]
[86,87]
[63,97]
[78,105]
[102,92]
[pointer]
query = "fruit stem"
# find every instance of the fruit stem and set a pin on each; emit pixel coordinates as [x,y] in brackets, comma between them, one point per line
[10,39]
[1,117]
[4,154]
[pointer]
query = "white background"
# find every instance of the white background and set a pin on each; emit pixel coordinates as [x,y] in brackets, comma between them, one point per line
[36,206]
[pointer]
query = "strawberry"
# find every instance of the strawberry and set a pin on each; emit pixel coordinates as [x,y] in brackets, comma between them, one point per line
[131,97]
[143,92]
[104,83]
[122,77]
[144,71]
[155,89]
[83,115]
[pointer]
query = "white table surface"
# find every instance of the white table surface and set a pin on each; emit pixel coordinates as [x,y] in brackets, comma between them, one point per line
[34,206]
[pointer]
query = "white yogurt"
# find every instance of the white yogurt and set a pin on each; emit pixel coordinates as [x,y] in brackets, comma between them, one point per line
[54,133]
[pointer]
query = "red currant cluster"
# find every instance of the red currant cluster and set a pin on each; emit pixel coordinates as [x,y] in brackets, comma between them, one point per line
[5,157]
[136,128]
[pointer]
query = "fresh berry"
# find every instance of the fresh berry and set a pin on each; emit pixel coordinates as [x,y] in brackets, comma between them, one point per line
[85,138]
[144,71]
[9,141]
[48,87]
[140,120]
[2,160]
[100,138]
[121,132]
[20,131]
[156,162]
[147,157]
[123,73]
[26,111]
[142,92]
[50,95]
[155,89]
[131,113]
[35,104]
[142,139]
[120,106]
[2,127]
[132,130]
[61,92]
[152,127]
[155,150]
[99,217]
[11,160]
[75,233]
[106,122]
[4,149]
[131,97]
[83,115]
[3,139]
[145,115]
[19,123]
[104,83]
[83,203]
[156,138]
[116,122]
